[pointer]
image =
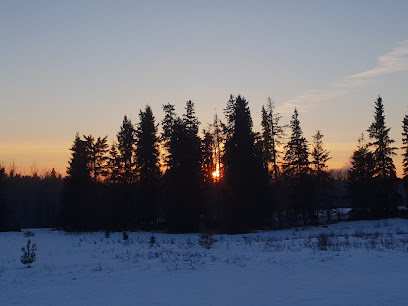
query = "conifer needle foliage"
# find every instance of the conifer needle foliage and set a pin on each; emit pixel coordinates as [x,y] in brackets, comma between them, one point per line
[29,254]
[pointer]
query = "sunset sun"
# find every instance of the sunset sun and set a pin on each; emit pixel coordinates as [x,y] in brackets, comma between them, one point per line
[216,173]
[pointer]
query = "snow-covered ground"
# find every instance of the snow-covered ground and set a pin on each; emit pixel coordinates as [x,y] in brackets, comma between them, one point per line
[352,263]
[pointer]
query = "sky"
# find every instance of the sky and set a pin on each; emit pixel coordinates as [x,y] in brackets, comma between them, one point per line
[80,66]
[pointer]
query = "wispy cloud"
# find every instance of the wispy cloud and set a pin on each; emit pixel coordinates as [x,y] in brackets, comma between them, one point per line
[394,61]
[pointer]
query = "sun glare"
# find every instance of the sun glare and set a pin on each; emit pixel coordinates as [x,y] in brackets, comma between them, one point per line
[216,173]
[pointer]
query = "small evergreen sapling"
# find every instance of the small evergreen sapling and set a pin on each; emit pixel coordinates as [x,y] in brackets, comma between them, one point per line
[29,254]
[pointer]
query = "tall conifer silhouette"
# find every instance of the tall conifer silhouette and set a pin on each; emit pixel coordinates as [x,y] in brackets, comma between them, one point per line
[77,193]
[387,197]
[272,135]
[320,156]
[243,170]
[383,151]
[147,147]
[360,177]
[148,168]
[79,171]
[183,175]
[97,156]
[405,146]
[126,147]
[208,165]
[296,159]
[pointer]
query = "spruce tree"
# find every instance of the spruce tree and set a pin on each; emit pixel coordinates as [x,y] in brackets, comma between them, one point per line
[97,156]
[29,254]
[383,151]
[79,170]
[405,147]
[114,165]
[190,119]
[296,159]
[387,197]
[272,135]
[321,178]
[193,144]
[244,175]
[2,199]
[362,162]
[267,142]
[180,136]
[148,168]
[78,195]
[360,178]
[320,156]
[219,141]
[147,147]
[207,157]
[240,139]
[126,147]
[167,130]
[296,172]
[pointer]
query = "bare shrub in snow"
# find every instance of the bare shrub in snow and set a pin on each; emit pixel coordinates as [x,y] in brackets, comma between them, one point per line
[358,234]
[206,240]
[98,268]
[247,240]
[152,240]
[28,234]
[189,243]
[323,241]
[400,232]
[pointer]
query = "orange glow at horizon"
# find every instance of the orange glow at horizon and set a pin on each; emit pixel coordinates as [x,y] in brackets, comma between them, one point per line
[45,155]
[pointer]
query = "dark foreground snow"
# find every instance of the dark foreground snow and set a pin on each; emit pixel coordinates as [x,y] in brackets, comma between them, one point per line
[352,263]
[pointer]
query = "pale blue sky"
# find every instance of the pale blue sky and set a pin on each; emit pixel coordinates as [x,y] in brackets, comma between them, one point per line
[68,66]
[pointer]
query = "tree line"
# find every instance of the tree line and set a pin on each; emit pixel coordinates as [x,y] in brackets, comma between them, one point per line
[225,178]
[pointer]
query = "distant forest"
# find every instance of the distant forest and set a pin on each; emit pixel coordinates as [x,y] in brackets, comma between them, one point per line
[225,178]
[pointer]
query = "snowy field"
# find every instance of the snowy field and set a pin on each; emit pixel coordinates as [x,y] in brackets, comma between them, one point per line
[350,263]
